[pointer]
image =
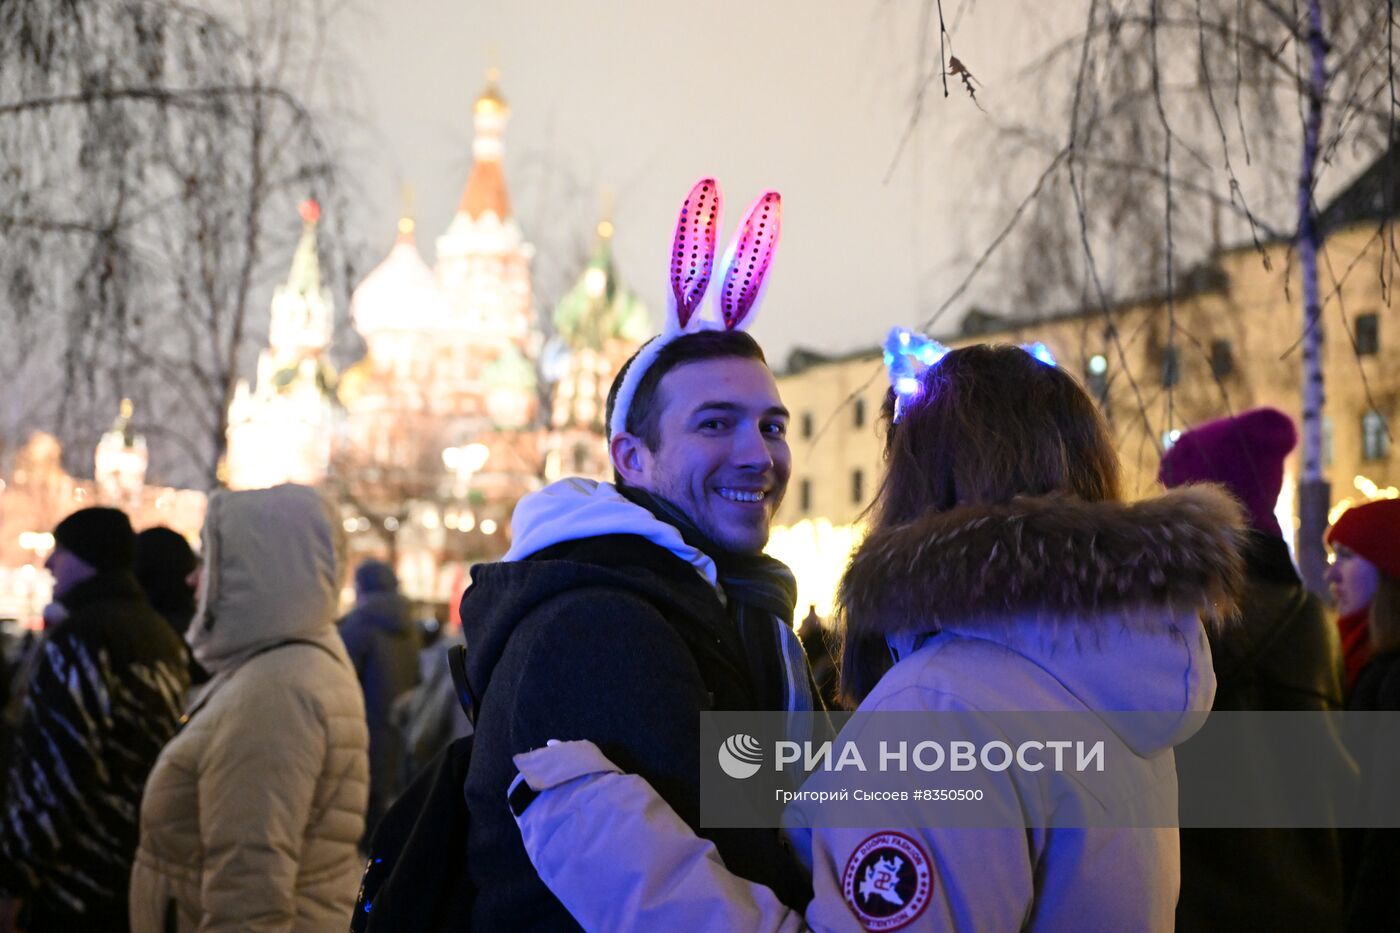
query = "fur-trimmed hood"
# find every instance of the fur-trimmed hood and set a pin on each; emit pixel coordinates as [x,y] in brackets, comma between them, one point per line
[1054,558]
[1105,599]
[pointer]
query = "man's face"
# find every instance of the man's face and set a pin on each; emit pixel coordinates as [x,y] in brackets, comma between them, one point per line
[68,570]
[1352,579]
[723,457]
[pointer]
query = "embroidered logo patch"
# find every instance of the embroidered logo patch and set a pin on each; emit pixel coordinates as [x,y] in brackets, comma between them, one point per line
[888,881]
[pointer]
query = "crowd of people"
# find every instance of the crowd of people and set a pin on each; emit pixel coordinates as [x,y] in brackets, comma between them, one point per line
[195,741]
[199,745]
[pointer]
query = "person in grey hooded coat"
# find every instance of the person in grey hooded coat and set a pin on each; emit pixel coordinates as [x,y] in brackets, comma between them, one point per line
[383,644]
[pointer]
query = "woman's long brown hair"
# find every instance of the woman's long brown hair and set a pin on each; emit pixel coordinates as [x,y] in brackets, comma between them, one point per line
[990,423]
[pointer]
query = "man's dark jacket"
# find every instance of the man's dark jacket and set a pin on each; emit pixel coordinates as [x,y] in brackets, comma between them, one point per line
[1281,654]
[105,697]
[612,639]
[383,644]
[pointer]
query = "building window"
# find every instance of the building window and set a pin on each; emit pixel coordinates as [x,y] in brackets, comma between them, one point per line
[1096,376]
[804,496]
[806,425]
[1222,358]
[857,486]
[1368,335]
[1375,440]
[860,413]
[1171,367]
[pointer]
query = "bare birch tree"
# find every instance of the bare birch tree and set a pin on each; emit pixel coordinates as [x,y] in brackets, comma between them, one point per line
[152,154]
[1195,121]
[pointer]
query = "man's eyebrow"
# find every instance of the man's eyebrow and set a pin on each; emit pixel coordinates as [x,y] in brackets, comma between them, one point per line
[735,407]
[717,406]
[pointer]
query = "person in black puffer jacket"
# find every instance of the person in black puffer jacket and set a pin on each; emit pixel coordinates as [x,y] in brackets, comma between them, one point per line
[106,695]
[623,611]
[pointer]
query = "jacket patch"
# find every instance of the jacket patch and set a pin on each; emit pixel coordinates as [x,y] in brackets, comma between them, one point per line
[888,881]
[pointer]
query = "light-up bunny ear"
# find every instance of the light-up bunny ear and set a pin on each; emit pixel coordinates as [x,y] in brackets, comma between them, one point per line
[746,265]
[748,259]
[693,252]
[908,355]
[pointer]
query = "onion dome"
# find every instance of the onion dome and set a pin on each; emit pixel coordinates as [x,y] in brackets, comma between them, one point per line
[399,294]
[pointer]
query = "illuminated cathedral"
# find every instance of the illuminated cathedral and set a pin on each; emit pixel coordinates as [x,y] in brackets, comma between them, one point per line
[430,439]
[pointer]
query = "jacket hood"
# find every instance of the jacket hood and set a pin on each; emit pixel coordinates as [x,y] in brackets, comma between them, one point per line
[1106,597]
[1051,558]
[577,508]
[272,569]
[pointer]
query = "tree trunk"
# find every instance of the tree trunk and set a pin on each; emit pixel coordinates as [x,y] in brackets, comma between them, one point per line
[1314,493]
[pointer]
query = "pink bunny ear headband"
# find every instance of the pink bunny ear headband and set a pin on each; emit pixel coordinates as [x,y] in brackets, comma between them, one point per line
[742,281]
[909,354]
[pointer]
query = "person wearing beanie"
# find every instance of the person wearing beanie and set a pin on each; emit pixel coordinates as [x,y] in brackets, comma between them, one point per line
[164,566]
[383,644]
[1365,544]
[1282,655]
[1365,582]
[105,695]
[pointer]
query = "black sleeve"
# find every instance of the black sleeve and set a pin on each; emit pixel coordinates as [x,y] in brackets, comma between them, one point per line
[58,752]
[608,667]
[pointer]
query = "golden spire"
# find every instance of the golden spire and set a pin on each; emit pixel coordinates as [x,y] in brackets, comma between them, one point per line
[491,100]
[406,224]
[605,225]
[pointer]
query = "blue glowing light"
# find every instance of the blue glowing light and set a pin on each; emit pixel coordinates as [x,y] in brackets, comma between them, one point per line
[1041,352]
[908,355]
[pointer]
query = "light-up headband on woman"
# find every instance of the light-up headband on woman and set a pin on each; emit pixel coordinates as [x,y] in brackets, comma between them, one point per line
[743,278]
[909,354]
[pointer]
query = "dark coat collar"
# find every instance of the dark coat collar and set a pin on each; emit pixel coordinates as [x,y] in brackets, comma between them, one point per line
[107,584]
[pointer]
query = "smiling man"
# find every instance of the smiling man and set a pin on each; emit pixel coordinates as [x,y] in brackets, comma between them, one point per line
[624,610]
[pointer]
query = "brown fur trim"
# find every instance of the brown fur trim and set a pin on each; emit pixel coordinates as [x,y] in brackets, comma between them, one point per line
[1048,557]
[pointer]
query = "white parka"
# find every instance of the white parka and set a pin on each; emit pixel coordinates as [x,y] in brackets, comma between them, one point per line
[251,815]
[1048,605]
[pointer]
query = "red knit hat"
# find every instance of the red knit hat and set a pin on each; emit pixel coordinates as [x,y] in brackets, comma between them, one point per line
[1244,453]
[1372,530]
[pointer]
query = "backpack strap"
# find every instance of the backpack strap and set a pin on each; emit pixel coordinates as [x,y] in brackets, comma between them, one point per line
[457,665]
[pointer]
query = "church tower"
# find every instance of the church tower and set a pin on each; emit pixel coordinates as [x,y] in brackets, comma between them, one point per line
[280,429]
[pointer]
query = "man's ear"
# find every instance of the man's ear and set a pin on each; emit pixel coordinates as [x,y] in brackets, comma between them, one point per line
[630,458]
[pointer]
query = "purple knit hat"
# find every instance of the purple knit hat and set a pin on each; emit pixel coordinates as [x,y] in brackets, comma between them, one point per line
[1244,453]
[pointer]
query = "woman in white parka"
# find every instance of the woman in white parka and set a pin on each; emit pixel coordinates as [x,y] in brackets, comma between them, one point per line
[1002,571]
[250,817]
